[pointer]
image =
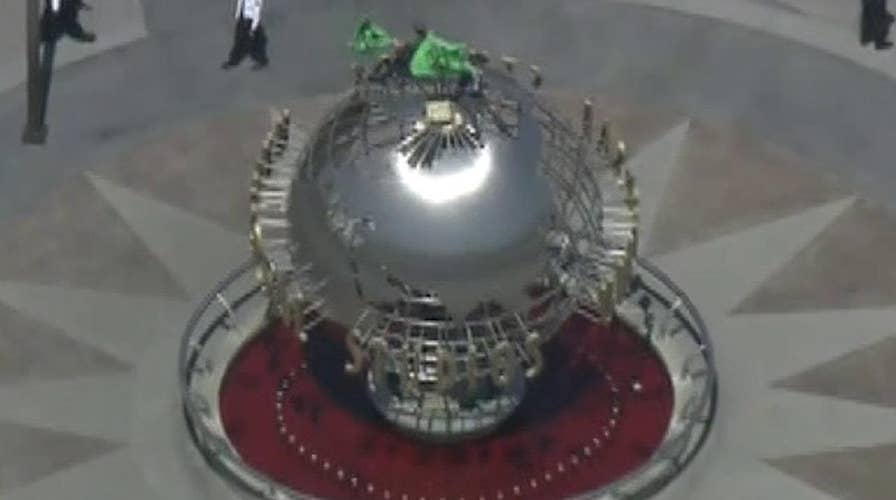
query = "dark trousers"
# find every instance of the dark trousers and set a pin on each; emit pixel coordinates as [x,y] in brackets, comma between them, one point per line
[247,42]
[876,21]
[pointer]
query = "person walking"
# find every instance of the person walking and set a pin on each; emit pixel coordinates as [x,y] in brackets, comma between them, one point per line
[249,38]
[61,18]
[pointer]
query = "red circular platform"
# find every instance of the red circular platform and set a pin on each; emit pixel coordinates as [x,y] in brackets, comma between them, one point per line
[582,425]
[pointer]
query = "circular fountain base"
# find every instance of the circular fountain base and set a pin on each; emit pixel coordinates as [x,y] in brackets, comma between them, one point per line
[598,412]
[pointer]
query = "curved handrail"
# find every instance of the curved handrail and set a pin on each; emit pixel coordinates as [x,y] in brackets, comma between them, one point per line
[233,468]
[200,310]
[699,334]
[662,277]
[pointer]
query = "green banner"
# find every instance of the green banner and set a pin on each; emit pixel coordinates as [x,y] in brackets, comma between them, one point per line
[371,39]
[438,58]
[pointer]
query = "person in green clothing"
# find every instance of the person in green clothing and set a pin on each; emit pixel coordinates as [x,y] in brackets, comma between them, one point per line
[371,39]
[428,57]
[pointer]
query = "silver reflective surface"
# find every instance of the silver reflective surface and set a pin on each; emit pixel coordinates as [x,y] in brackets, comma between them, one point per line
[454,234]
[470,227]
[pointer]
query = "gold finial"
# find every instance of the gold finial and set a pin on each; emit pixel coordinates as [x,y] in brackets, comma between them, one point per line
[623,271]
[354,366]
[628,182]
[509,63]
[533,349]
[536,76]
[587,120]
[606,300]
[631,248]
[267,153]
[603,138]
[619,157]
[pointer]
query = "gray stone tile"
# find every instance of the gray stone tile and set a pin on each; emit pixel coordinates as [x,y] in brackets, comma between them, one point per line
[727,182]
[119,324]
[29,454]
[849,474]
[631,122]
[865,376]
[653,166]
[74,238]
[718,274]
[204,166]
[196,251]
[33,351]
[849,265]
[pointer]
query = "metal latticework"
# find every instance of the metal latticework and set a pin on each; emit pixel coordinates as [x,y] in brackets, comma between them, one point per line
[430,370]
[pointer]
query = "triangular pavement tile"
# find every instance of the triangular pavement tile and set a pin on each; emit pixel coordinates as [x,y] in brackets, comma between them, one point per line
[29,454]
[850,474]
[74,238]
[631,123]
[195,250]
[849,265]
[865,376]
[204,167]
[727,182]
[32,351]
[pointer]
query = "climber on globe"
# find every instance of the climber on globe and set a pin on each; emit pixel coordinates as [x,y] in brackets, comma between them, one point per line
[427,57]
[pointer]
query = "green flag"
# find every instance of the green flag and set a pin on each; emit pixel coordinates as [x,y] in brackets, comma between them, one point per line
[439,58]
[371,39]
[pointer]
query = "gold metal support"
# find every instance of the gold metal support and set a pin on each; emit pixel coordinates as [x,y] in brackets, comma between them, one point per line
[603,139]
[619,158]
[509,63]
[587,120]
[536,76]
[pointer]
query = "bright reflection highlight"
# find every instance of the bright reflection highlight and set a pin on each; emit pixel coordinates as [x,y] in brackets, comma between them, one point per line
[439,188]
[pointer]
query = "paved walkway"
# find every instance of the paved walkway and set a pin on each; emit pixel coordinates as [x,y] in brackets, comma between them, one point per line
[119,21]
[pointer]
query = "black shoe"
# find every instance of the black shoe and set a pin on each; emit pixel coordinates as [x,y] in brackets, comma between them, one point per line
[227,65]
[259,65]
[883,44]
[86,37]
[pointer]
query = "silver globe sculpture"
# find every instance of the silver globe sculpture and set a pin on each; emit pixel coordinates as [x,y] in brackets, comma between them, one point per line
[450,233]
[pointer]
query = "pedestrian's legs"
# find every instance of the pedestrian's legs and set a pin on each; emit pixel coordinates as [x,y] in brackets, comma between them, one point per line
[866,27]
[259,48]
[241,44]
[74,29]
[880,23]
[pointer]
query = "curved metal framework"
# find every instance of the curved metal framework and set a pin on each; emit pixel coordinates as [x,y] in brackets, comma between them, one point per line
[461,372]
[594,271]
[670,321]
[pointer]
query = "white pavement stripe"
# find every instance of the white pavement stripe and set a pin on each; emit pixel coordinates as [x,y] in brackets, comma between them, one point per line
[720,273]
[770,347]
[121,325]
[842,42]
[98,407]
[771,424]
[734,477]
[196,251]
[110,477]
[653,166]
